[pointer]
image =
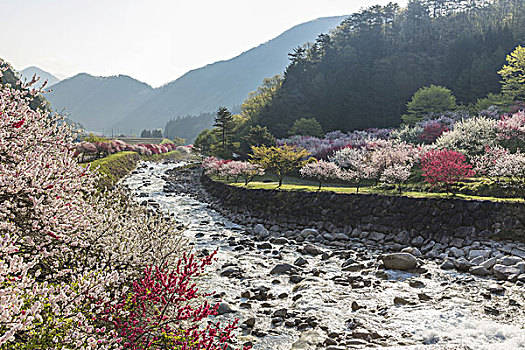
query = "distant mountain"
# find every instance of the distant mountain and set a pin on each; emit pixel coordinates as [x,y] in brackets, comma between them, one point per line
[124,104]
[28,73]
[99,102]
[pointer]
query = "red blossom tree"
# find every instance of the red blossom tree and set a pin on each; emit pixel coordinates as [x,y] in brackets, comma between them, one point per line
[445,167]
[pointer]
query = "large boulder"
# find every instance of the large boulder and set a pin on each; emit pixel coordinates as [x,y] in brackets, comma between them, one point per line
[399,261]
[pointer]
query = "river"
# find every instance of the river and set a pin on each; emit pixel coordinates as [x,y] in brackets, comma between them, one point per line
[320,304]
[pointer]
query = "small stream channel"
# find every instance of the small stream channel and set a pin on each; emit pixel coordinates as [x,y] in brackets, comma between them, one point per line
[321,305]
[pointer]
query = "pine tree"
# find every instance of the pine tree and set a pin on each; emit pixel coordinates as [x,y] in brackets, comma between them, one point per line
[224,123]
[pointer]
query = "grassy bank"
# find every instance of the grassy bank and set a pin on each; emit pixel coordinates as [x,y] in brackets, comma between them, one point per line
[116,166]
[297,184]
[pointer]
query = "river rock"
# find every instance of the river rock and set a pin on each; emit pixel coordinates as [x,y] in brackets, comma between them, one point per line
[280,313]
[448,264]
[400,301]
[300,261]
[282,268]
[412,250]
[376,236]
[478,253]
[418,241]
[312,250]
[250,323]
[477,260]
[488,264]
[224,309]
[462,264]
[479,271]
[309,232]
[258,229]
[510,260]
[341,237]
[402,238]
[399,261]
[456,252]
[503,272]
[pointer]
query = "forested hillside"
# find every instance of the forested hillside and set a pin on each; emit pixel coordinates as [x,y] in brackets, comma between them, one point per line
[363,74]
[188,127]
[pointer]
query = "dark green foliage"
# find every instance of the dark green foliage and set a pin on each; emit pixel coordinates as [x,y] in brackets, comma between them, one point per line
[257,136]
[157,133]
[204,143]
[224,125]
[188,127]
[306,127]
[363,74]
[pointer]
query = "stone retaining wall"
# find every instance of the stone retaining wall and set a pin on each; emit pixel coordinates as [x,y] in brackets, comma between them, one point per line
[448,220]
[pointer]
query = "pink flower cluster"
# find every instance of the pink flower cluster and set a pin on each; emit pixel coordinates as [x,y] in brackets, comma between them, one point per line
[89,150]
[232,169]
[66,250]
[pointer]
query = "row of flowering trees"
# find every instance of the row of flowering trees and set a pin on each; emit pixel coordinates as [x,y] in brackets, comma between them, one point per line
[392,156]
[385,162]
[80,269]
[99,149]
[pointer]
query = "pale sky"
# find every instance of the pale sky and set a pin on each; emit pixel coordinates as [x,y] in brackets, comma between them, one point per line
[154,41]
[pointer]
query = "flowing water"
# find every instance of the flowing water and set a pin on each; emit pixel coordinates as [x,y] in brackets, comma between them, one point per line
[435,310]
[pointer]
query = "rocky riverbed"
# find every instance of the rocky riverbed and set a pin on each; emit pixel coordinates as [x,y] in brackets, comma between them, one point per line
[316,288]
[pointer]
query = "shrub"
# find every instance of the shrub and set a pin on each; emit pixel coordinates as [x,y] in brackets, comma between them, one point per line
[431,132]
[445,167]
[396,174]
[433,99]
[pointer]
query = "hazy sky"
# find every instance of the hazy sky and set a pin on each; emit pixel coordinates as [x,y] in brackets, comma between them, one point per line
[155,41]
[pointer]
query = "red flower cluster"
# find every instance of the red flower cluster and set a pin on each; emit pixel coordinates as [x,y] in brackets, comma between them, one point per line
[445,167]
[18,124]
[166,310]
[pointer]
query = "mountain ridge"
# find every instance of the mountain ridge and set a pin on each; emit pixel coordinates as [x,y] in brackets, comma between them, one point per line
[201,90]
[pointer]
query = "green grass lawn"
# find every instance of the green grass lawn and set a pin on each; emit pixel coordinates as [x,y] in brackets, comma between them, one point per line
[297,184]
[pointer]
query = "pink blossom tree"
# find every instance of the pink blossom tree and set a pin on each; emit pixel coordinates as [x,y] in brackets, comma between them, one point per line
[355,164]
[321,170]
[511,131]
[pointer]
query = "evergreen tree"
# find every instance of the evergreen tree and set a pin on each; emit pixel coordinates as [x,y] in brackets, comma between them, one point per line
[257,136]
[145,133]
[224,126]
